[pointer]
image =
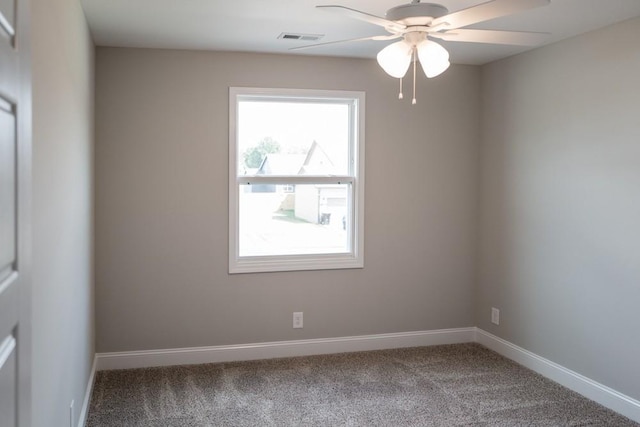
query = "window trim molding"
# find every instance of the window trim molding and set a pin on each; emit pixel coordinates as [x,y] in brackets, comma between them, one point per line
[354,259]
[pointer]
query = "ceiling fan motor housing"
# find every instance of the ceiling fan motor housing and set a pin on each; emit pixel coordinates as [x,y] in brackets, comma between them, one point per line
[416,13]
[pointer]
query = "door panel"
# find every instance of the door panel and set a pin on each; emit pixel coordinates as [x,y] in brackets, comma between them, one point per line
[9,305]
[7,16]
[8,382]
[7,189]
[15,144]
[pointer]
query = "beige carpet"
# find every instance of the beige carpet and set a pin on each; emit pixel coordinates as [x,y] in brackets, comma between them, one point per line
[453,385]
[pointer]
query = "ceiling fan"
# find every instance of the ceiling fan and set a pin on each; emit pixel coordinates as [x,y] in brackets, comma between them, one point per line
[417,24]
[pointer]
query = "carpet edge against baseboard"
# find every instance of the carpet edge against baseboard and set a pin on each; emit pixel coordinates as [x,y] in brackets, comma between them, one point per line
[606,396]
[587,387]
[269,350]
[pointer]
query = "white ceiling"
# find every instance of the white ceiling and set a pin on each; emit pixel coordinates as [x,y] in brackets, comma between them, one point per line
[254,25]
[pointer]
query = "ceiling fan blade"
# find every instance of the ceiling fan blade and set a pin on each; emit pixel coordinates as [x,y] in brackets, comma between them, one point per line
[363,16]
[492,37]
[389,37]
[486,11]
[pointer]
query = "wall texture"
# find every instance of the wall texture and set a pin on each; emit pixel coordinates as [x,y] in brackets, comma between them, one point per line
[560,206]
[63,325]
[162,210]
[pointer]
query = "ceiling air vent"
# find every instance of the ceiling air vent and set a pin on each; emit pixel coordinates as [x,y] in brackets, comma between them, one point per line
[303,37]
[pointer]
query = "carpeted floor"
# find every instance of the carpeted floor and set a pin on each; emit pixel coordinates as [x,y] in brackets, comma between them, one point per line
[452,385]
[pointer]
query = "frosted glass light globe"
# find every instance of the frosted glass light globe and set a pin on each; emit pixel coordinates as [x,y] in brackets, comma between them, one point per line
[434,58]
[395,59]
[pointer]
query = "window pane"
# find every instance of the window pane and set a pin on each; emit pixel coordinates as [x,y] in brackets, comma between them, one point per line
[293,219]
[292,138]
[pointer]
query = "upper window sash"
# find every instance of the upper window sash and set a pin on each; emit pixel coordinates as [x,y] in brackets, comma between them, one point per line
[350,98]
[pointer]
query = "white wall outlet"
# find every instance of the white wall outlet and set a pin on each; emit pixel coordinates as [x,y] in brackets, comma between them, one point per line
[495,316]
[71,414]
[297,320]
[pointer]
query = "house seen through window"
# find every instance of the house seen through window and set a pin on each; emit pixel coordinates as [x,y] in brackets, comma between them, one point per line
[296,179]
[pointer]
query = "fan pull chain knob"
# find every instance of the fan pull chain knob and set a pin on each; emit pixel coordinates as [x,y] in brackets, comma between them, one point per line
[400,96]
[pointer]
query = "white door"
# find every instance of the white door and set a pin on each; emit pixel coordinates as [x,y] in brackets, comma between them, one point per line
[15,131]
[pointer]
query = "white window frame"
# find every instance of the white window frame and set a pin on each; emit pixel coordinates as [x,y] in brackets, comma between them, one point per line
[354,258]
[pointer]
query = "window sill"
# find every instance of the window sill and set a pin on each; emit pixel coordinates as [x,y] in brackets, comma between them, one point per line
[295,263]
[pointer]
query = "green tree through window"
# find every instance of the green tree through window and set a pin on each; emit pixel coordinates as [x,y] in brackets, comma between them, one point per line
[254,156]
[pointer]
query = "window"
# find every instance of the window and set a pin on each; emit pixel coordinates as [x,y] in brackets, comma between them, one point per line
[296,179]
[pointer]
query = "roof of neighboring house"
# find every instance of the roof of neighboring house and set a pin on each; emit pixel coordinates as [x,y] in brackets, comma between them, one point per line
[316,161]
[281,164]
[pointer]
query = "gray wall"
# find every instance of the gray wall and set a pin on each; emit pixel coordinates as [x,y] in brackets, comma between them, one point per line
[560,203]
[162,211]
[63,326]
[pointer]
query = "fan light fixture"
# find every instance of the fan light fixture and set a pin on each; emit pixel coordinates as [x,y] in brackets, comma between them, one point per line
[396,58]
[417,24]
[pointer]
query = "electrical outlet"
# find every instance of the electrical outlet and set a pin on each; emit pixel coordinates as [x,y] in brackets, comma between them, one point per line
[297,320]
[495,316]
[71,414]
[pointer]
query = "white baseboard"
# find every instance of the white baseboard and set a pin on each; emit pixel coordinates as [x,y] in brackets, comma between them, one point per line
[593,390]
[87,395]
[269,350]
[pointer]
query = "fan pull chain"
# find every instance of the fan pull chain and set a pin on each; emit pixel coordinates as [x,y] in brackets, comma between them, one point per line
[413,101]
[400,96]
